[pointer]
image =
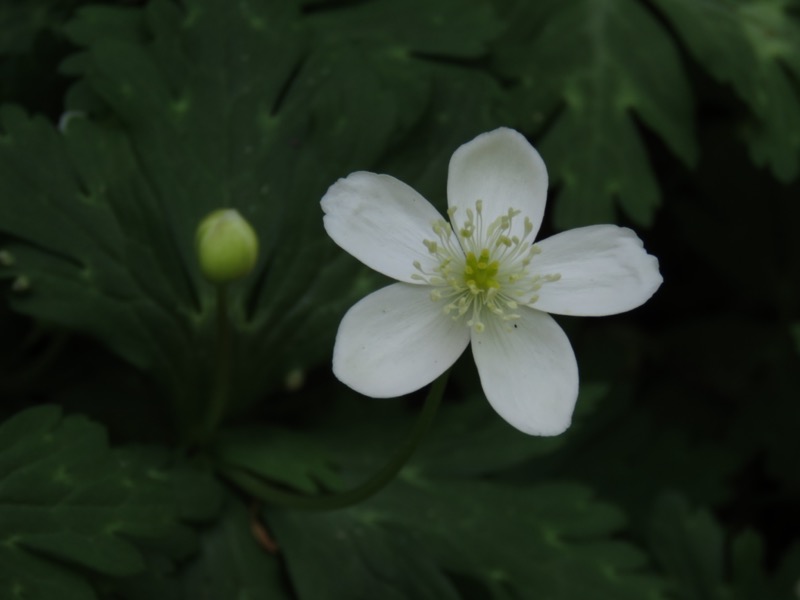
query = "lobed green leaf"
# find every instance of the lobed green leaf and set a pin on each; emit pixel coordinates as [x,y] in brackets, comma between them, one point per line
[552,538]
[180,109]
[703,563]
[754,46]
[586,71]
[70,506]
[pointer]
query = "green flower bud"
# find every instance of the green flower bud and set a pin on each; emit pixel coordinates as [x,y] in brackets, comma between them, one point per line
[227,246]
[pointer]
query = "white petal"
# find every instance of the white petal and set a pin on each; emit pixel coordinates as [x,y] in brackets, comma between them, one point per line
[604,271]
[528,371]
[502,169]
[381,221]
[395,341]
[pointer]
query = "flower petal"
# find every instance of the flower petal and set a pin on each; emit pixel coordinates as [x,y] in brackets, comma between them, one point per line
[502,169]
[528,371]
[381,221]
[395,341]
[604,271]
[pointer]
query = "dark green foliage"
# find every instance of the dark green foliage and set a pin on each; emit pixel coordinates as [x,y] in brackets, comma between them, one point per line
[30,49]
[754,47]
[577,55]
[692,549]
[71,507]
[547,538]
[231,563]
[441,523]
[124,123]
[199,125]
[278,455]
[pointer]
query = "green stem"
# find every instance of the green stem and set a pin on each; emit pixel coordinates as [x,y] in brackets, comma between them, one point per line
[218,401]
[263,490]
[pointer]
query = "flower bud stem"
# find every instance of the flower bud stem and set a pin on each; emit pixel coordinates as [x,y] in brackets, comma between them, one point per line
[266,492]
[218,401]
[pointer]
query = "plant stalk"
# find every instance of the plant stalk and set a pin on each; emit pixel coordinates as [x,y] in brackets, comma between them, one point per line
[220,395]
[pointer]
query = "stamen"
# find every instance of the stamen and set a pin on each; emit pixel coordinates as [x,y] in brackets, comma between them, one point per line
[482,266]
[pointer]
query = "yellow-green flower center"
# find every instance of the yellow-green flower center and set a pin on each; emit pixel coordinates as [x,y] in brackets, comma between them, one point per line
[480,272]
[482,268]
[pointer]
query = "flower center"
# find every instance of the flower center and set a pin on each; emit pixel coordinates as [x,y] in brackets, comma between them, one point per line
[482,267]
[480,272]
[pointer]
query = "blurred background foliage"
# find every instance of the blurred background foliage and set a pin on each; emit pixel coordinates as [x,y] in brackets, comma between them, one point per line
[123,123]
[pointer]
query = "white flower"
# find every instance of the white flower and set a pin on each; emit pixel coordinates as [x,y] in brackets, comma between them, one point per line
[478,278]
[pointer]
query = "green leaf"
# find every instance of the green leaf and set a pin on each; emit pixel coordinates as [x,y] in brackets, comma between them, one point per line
[639,444]
[577,71]
[689,546]
[21,22]
[443,525]
[470,439]
[692,549]
[358,554]
[747,557]
[467,438]
[183,108]
[30,52]
[231,564]
[420,537]
[463,103]
[67,502]
[753,45]
[415,26]
[280,455]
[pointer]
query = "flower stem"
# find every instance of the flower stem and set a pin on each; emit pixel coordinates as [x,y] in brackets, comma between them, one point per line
[266,492]
[218,401]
